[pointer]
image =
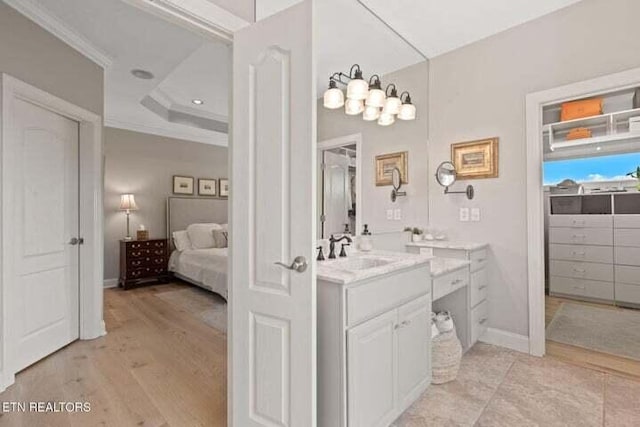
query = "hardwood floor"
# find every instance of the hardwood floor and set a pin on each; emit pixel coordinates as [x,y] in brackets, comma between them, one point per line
[158,365]
[579,356]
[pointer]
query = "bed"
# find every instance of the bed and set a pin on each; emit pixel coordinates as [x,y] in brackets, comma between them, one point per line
[203,267]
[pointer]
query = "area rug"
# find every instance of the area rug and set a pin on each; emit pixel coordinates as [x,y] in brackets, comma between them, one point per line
[610,331]
[209,307]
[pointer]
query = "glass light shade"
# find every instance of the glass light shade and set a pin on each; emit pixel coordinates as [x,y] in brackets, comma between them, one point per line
[357,89]
[333,98]
[407,112]
[128,202]
[376,98]
[353,107]
[371,113]
[386,119]
[392,105]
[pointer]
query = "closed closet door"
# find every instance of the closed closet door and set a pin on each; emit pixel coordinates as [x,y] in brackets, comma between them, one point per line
[43,201]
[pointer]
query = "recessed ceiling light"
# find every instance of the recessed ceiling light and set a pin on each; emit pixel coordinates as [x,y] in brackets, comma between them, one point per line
[142,74]
[197,101]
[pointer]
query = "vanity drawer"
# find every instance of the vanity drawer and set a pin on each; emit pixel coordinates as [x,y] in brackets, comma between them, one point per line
[479,286]
[581,287]
[582,270]
[627,256]
[581,221]
[627,237]
[626,274]
[478,259]
[450,282]
[479,321]
[370,299]
[626,221]
[627,293]
[603,254]
[581,236]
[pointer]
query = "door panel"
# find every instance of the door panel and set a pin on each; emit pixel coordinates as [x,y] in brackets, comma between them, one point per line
[273,209]
[44,294]
[413,348]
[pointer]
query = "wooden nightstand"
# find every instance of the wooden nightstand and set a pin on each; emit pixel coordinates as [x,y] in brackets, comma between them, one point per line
[143,262]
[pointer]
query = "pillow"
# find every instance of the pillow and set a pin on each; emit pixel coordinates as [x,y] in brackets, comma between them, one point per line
[201,235]
[221,238]
[181,240]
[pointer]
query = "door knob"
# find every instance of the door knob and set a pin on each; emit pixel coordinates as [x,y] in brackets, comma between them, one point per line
[74,241]
[299,264]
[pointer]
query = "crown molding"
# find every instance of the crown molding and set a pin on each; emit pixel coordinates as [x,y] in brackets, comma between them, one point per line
[58,28]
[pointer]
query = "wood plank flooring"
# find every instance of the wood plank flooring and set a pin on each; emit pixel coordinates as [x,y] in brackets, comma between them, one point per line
[579,356]
[158,366]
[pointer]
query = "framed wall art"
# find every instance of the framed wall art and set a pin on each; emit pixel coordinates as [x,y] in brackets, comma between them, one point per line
[386,163]
[476,159]
[207,187]
[224,187]
[182,184]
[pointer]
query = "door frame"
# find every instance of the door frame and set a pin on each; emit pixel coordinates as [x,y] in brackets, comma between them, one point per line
[91,274]
[356,139]
[535,192]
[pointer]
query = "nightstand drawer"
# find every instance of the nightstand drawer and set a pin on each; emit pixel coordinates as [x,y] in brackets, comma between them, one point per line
[147,244]
[140,273]
[146,262]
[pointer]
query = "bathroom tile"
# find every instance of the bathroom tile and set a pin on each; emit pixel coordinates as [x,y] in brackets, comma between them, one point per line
[621,407]
[546,392]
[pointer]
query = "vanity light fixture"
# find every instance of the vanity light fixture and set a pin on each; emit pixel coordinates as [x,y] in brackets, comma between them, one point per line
[393,103]
[386,119]
[407,109]
[376,95]
[371,113]
[353,107]
[333,97]
[357,88]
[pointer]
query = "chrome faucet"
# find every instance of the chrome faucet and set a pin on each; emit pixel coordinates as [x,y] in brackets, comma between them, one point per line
[332,246]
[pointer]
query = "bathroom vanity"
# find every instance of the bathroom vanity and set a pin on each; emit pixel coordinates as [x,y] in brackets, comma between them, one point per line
[374,351]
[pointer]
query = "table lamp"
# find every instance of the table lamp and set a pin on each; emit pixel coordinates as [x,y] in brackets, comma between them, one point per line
[128,204]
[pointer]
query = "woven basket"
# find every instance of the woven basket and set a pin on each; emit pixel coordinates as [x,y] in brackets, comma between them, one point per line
[446,353]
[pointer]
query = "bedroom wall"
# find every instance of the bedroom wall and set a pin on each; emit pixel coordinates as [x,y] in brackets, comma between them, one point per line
[479,91]
[30,53]
[144,165]
[401,136]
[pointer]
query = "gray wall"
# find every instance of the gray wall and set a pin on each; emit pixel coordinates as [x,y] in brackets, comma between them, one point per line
[35,56]
[144,165]
[479,91]
[401,136]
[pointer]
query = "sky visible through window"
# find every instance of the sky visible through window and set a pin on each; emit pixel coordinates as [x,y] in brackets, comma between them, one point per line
[593,169]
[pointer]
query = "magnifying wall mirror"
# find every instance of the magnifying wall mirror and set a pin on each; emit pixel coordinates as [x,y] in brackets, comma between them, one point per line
[396,181]
[446,176]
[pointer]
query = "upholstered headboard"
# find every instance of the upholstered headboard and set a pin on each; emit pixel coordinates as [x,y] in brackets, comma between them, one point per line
[182,211]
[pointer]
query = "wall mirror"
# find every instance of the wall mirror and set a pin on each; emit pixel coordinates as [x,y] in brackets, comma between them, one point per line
[446,177]
[396,182]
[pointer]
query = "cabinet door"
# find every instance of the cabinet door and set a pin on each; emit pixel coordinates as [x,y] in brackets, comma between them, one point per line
[413,349]
[370,371]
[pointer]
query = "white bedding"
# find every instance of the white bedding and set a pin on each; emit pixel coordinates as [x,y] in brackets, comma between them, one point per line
[203,267]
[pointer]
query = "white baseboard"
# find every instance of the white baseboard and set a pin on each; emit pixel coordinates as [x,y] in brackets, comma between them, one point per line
[506,339]
[110,283]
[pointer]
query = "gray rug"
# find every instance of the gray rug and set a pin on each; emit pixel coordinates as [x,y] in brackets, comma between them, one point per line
[610,331]
[209,307]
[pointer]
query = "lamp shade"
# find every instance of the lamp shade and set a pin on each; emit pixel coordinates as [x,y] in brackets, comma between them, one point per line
[392,105]
[357,89]
[128,202]
[386,119]
[353,107]
[371,113]
[333,98]
[376,98]
[407,112]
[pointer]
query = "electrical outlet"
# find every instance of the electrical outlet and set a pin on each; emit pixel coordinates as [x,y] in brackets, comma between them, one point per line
[389,214]
[397,214]
[464,214]
[475,214]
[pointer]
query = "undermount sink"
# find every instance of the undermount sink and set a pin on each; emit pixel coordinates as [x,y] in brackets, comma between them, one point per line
[360,263]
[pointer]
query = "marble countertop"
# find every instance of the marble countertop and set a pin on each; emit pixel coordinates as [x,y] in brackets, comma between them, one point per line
[441,266]
[339,270]
[448,244]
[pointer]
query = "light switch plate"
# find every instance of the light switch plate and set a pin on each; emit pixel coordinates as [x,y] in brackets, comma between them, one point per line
[475,214]
[390,214]
[464,214]
[397,214]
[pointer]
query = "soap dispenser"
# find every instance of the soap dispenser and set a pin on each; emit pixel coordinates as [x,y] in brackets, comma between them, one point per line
[365,240]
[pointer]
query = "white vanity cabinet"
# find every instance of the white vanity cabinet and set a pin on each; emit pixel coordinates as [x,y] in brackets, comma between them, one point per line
[373,353]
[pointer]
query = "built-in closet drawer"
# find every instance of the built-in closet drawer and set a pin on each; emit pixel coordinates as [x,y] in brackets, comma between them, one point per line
[478,259]
[450,282]
[581,287]
[479,286]
[602,254]
[627,237]
[626,221]
[584,221]
[627,293]
[627,274]
[581,236]
[627,256]
[581,270]
[479,320]
[367,300]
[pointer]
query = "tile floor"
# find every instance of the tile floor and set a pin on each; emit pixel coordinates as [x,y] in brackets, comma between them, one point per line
[500,387]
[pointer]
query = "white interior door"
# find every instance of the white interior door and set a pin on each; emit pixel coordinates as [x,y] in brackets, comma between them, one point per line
[337,193]
[42,198]
[273,202]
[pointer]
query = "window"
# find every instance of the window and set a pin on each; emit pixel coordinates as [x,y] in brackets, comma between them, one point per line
[592,169]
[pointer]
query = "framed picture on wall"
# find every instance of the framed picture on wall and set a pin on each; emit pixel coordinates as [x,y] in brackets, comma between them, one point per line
[476,159]
[182,184]
[207,187]
[224,187]
[386,163]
